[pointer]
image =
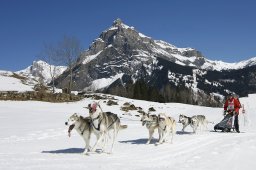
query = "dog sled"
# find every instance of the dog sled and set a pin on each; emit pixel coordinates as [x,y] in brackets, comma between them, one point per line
[226,124]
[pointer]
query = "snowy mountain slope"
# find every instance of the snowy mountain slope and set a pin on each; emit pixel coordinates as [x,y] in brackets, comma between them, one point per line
[156,70]
[25,80]
[220,65]
[9,82]
[183,59]
[36,138]
[41,70]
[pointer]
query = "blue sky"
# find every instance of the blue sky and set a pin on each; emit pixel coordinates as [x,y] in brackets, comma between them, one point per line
[221,29]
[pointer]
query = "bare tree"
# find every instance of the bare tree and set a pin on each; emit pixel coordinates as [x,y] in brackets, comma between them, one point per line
[50,56]
[65,52]
[68,50]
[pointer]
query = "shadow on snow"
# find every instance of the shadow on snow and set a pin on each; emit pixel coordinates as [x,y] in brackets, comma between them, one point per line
[184,133]
[139,141]
[69,151]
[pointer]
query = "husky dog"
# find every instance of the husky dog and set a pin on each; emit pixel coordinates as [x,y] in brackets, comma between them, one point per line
[194,122]
[83,128]
[199,121]
[185,121]
[166,125]
[102,122]
[151,123]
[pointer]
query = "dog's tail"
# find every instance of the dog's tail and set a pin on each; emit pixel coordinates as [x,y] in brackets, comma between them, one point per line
[123,127]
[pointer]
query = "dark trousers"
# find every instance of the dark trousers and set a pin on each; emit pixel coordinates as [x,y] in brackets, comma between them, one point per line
[236,122]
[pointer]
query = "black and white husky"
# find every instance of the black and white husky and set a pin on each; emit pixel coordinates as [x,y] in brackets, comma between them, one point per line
[194,121]
[83,127]
[151,122]
[102,123]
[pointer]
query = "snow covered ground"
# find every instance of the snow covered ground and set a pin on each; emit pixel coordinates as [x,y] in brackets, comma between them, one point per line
[8,83]
[33,136]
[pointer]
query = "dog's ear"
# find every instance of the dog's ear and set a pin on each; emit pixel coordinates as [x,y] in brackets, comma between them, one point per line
[87,107]
[142,113]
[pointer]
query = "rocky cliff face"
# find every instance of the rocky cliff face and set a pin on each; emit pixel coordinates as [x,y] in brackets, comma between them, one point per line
[124,62]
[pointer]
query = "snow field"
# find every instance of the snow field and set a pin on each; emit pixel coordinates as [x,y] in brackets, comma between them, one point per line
[33,136]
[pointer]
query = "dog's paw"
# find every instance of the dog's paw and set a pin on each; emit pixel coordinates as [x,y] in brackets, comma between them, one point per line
[148,142]
[101,151]
[85,153]
[157,143]
[92,150]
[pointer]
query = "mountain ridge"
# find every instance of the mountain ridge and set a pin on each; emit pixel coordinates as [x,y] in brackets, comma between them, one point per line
[125,62]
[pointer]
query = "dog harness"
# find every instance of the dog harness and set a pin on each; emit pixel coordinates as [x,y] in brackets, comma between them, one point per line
[113,122]
[153,122]
[82,131]
[98,117]
[189,119]
[92,120]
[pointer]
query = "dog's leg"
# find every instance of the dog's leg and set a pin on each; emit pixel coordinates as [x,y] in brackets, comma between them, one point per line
[87,142]
[159,134]
[201,124]
[206,125]
[161,137]
[195,128]
[184,126]
[173,132]
[165,136]
[151,132]
[99,138]
[115,131]
[104,141]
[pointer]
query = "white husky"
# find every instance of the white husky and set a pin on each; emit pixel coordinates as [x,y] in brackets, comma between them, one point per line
[151,123]
[166,125]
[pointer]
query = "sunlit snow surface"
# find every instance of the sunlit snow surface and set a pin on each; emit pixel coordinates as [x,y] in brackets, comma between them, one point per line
[33,136]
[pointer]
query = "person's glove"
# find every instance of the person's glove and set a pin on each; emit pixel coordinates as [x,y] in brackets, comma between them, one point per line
[224,113]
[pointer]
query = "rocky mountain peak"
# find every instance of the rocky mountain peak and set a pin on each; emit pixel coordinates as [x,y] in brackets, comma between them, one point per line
[117,22]
[125,62]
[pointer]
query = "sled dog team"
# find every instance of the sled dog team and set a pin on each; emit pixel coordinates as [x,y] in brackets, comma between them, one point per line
[101,124]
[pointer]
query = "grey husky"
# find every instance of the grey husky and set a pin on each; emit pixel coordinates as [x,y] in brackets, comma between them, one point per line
[102,123]
[83,128]
[151,122]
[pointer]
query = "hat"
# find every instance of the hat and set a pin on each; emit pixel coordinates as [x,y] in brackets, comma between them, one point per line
[94,106]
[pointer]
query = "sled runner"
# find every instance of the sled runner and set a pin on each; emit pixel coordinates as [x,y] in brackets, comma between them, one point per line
[226,124]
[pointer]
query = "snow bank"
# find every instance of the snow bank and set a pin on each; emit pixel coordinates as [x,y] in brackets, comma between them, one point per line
[13,84]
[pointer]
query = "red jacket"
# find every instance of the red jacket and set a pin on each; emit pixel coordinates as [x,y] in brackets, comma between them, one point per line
[232,104]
